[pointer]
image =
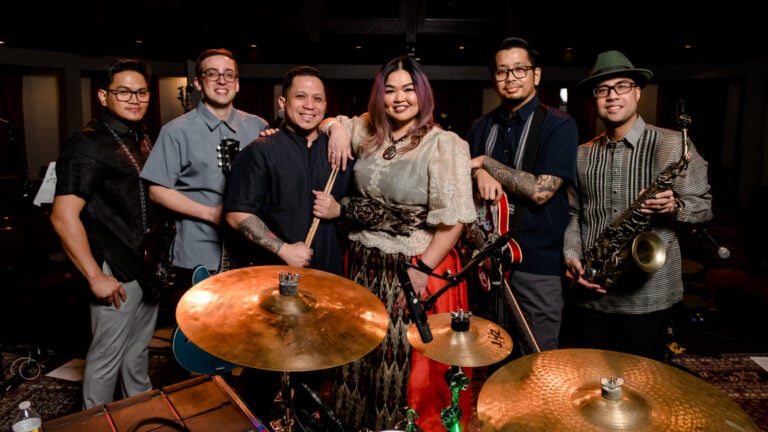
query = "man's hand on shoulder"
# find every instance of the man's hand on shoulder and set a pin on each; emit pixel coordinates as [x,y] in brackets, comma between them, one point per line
[268,132]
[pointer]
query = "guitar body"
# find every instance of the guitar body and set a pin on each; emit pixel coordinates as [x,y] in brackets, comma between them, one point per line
[190,356]
[493,222]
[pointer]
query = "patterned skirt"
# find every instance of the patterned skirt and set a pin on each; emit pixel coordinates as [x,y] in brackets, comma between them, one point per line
[375,391]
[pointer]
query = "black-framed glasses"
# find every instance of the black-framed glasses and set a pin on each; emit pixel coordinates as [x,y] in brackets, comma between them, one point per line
[213,75]
[518,72]
[124,95]
[620,89]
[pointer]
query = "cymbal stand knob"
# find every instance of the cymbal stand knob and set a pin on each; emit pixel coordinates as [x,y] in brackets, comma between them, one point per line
[460,320]
[289,283]
[611,387]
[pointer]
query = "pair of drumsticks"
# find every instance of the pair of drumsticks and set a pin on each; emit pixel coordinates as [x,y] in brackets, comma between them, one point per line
[316,220]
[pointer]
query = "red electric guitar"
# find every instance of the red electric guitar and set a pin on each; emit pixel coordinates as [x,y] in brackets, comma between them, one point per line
[493,222]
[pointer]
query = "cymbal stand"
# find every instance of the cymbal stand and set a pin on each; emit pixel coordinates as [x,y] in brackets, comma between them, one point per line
[285,399]
[410,420]
[457,381]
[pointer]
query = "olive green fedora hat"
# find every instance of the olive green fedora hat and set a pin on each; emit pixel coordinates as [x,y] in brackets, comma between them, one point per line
[613,64]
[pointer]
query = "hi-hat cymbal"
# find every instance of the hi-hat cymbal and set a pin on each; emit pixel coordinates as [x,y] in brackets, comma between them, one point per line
[482,344]
[243,316]
[581,390]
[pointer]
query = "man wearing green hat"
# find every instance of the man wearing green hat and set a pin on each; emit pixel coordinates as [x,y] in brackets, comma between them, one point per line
[645,167]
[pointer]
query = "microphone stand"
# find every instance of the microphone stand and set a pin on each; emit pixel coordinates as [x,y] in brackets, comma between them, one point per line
[455,279]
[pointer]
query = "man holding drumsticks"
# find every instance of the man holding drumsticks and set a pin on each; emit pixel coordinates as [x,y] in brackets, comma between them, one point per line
[272,190]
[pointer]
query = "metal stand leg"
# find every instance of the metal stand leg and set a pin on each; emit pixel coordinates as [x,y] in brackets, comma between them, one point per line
[285,399]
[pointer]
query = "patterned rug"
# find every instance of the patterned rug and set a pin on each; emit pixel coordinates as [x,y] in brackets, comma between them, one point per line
[738,376]
[55,397]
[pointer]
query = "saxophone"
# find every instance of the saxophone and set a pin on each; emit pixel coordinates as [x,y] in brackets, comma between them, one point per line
[629,235]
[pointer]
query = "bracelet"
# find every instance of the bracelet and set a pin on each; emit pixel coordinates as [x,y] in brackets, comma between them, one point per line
[474,171]
[328,126]
[423,266]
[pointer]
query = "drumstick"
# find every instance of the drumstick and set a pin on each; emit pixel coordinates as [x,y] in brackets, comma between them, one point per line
[316,220]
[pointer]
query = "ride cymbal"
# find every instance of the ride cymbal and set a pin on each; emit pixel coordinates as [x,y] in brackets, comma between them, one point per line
[460,339]
[582,390]
[253,318]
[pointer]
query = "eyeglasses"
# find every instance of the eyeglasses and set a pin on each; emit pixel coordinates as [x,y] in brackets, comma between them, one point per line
[212,75]
[124,95]
[620,89]
[518,72]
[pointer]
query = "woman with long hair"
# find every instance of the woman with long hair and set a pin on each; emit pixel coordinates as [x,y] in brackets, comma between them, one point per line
[413,197]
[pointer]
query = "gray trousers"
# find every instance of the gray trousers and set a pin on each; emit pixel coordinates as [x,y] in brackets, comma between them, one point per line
[541,300]
[119,348]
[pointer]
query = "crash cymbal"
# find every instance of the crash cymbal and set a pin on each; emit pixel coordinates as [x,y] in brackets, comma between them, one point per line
[582,390]
[249,317]
[459,339]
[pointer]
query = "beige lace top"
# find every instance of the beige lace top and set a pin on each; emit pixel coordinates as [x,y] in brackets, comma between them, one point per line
[436,175]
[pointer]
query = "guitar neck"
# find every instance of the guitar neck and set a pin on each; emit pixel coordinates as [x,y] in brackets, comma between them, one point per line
[227,262]
[525,333]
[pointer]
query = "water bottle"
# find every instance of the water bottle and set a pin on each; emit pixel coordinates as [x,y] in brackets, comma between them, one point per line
[27,419]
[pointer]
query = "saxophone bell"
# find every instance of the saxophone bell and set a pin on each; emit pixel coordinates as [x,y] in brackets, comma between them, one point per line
[645,252]
[648,252]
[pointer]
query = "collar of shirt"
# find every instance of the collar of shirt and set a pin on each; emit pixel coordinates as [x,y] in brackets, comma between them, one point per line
[632,138]
[131,130]
[519,116]
[299,139]
[212,121]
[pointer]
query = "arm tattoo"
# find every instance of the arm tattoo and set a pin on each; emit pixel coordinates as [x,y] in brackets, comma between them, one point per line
[255,230]
[538,189]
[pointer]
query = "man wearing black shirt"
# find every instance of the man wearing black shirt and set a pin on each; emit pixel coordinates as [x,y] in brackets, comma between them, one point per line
[102,214]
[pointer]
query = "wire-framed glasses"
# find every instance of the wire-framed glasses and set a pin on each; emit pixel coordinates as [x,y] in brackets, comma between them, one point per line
[518,72]
[620,89]
[213,75]
[124,95]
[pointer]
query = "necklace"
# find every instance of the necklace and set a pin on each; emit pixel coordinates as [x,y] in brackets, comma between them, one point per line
[391,151]
[142,194]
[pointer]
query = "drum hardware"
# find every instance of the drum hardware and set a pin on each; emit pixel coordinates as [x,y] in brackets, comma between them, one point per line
[461,340]
[595,390]
[284,399]
[450,416]
[459,337]
[282,318]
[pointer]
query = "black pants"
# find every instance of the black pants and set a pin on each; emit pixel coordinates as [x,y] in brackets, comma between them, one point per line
[643,334]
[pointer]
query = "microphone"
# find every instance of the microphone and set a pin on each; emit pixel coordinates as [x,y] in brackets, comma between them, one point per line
[418,315]
[722,252]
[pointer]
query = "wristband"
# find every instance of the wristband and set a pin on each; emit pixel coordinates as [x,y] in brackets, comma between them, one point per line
[423,267]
